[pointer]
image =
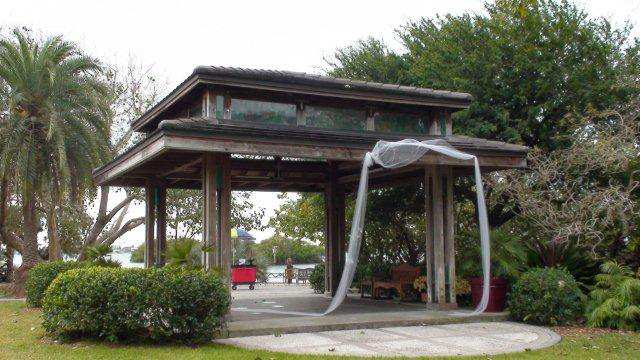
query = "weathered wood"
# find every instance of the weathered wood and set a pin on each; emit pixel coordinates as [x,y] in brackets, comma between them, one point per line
[152,152]
[371,121]
[438,237]
[149,222]
[209,106]
[224,191]
[161,226]
[449,240]
[448,123]
[226,110]
[210,218]
[434,123]
[301,115]
[428,212]
[332,244]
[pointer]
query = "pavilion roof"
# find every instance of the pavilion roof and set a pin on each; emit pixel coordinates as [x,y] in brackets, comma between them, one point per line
[298,85]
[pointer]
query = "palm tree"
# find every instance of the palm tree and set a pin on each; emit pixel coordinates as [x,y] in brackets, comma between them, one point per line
[55,131]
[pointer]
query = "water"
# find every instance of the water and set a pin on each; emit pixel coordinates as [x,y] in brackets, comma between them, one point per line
[124,258]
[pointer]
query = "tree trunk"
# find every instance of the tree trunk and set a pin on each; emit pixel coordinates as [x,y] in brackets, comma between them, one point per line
[55,248]
[30,256]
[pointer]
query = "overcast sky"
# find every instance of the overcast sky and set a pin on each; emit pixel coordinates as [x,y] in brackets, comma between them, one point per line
[176,36]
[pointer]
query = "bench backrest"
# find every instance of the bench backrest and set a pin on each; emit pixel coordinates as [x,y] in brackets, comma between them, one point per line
[303,274]
[405,272]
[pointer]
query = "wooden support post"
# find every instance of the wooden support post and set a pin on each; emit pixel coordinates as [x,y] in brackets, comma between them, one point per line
[161,226]
[224,197]
[301,115]
[438,237]
[428,212]
[209,106]
[371,121]
[149,222]
[341,227]
[332,245]
[434,123]
[210,218]
[449,241]
[448,123]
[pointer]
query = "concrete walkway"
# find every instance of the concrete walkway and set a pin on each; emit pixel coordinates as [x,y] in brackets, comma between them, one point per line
[410,341]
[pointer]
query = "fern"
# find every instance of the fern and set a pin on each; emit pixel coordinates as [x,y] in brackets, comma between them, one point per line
[615,300]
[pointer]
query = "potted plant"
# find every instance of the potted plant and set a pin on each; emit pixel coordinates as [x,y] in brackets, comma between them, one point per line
[508,259]
[420,284]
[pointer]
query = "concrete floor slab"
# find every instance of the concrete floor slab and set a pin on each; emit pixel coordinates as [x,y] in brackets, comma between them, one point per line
[410,341]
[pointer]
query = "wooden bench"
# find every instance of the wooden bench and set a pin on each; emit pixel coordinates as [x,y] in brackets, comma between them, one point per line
[402,277]
[303,275]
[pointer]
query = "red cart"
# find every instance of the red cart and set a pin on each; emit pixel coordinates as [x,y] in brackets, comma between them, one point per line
[243,275]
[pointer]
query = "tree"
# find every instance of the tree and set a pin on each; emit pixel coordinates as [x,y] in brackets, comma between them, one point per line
[584,195]
[53,132]
[300,218]
[528,64]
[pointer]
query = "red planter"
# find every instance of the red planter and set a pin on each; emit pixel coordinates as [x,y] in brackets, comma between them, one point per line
[497,293]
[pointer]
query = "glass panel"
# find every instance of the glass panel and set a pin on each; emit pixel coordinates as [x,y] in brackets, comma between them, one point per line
[332,118]
[263,112]
[400,123]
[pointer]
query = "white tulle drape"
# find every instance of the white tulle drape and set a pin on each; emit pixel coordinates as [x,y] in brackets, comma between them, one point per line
[394,155]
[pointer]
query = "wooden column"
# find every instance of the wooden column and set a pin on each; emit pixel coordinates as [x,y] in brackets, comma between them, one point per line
[210,218]
[438,237]
[449,242]
[224,198]
[332,244]
[428,207]
[341,227]
[161,226]
[149,222]
[440,247]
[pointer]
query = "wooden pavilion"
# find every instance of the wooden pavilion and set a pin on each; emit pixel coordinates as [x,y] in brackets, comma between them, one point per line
[225,129]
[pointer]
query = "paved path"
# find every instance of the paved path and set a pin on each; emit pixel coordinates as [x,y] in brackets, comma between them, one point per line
[442,340]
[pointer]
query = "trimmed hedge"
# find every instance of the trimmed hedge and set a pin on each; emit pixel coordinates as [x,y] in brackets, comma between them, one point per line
[41,275]
[546,296]
[133,305]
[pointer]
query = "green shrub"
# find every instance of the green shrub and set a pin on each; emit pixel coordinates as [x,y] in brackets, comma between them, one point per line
[615,300]
[41,275]
[316,279]
[130,305]
[546,296]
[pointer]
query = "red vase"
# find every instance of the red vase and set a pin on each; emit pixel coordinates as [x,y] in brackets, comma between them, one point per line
[497,293]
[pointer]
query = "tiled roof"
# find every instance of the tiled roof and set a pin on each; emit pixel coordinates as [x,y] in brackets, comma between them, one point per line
[327,81]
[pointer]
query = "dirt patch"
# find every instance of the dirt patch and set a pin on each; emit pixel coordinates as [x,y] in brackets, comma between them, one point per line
[572,331]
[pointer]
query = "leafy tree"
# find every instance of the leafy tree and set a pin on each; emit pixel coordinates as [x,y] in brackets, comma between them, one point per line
[53,133]
[300,217]
[300,251]
[528,64]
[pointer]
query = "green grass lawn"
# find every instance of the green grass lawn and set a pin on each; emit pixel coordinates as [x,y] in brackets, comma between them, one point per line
[22,337]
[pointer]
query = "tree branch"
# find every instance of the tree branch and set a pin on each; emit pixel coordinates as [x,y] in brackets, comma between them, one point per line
[128,226]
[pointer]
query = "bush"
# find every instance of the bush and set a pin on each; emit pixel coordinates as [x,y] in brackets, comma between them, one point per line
[316,279]
[167,304]
[615,300]
[41,275]
[546,296]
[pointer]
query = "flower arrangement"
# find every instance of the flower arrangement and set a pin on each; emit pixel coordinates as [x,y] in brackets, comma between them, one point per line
[420,284]
[463,286]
